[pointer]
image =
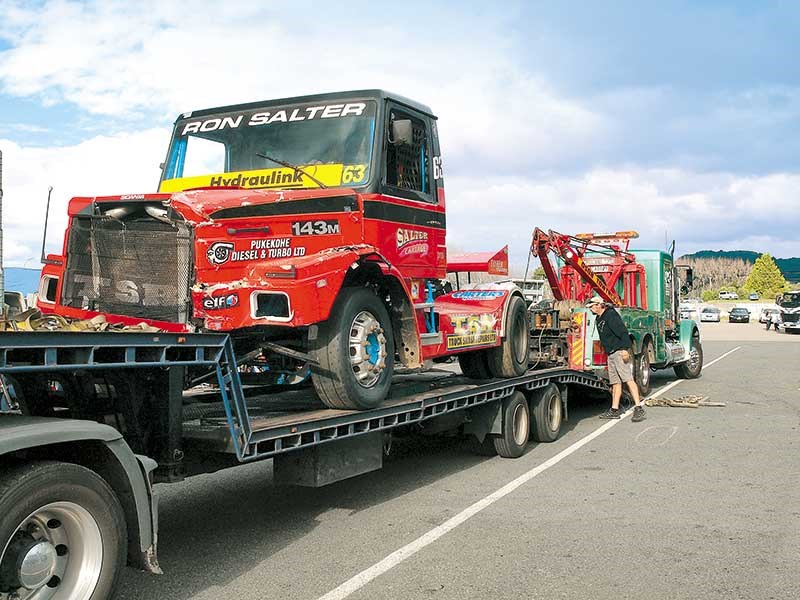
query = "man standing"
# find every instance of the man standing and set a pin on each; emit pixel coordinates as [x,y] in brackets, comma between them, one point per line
[616,341]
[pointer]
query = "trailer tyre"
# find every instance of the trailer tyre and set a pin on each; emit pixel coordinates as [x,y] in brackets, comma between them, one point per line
[547,413]
[691,368]
[510,359]
[516,427]
[475,365]
[62,533]
[355,351]
[641,370]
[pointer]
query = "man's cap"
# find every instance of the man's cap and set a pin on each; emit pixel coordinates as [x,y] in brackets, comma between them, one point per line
[595,300]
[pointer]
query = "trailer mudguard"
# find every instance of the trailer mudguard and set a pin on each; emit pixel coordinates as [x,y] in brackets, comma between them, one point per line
[687,330]
[19,432]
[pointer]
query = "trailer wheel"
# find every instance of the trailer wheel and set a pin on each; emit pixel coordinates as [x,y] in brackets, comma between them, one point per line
[692,367]
[516,427]
[641,370]
[510,359]
[62,533]
[547,414]
[355,351]
[474,365]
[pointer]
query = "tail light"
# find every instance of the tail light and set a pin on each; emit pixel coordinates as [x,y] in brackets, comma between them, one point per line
[599,356]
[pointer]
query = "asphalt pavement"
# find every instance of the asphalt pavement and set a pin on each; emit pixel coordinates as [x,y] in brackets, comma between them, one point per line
[690,503]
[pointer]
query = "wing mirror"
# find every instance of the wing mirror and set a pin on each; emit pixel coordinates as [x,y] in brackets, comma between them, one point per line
[402,132]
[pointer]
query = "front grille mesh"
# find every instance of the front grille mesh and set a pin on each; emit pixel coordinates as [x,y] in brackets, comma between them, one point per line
[138,268]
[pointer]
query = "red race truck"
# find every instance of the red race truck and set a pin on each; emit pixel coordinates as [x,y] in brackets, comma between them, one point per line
[311,229]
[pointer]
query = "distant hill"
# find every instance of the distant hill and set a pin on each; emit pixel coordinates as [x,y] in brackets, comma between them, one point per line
[22,280]
[790,267]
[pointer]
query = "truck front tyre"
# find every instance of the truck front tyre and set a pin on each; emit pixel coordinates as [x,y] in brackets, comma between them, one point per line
[516,427]
[641,370]
[547,414]
[474,365]
[510,359]
[691,368]
[355,351]
[62,533]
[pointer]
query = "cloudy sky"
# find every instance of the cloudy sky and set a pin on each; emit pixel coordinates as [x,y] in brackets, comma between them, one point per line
[678,119]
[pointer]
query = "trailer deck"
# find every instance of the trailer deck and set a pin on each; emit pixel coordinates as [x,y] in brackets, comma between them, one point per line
[263,425]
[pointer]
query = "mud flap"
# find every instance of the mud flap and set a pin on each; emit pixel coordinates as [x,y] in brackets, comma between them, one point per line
[484,420]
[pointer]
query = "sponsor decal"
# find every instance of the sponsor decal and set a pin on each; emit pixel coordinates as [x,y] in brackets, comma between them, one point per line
[332,175]
[320,227]
[477,294]
[220,253]
[221,302]
[280,115]
[125,290]
[415,290]
[454,342]
[472,330]
[412,241]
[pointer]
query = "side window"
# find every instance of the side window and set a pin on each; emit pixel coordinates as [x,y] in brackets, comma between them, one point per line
[407,159]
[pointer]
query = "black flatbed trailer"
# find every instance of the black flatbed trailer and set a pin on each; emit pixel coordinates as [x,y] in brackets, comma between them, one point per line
[108,412]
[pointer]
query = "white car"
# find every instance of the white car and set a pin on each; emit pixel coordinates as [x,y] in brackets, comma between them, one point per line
[728,296]
[710,314]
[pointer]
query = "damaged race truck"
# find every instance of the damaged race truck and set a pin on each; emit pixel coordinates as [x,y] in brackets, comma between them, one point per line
[311,229]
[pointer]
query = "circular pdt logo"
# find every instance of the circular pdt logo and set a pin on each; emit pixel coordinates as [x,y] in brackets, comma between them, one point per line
[219,253]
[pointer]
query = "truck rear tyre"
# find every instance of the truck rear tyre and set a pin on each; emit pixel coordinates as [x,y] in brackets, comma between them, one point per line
[547,414]
[691,368]
[475,365]
[510,359]
[641,370]
[516,427]
[355,351]
[62,533]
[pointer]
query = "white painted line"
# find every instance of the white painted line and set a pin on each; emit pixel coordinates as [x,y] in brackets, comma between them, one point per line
[395,558]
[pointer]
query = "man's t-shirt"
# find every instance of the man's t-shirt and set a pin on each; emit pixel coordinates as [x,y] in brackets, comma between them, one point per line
[613,333]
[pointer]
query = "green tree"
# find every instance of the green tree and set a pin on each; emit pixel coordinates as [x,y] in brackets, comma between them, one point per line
[765,277]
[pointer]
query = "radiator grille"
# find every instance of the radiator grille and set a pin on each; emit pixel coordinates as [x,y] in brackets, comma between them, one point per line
[138,268]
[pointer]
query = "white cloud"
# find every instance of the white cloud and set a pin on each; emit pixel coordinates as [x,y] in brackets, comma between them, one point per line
[699,211]
[126,163]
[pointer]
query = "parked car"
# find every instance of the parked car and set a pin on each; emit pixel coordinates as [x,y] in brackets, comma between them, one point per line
[710,313]
[728,296]
[766,314]
[739,315]
[753,296]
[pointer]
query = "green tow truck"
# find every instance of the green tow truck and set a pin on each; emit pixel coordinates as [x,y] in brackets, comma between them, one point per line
[643,285]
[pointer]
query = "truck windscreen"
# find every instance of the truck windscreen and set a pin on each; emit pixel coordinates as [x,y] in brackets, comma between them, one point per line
[330,141]
[790,300]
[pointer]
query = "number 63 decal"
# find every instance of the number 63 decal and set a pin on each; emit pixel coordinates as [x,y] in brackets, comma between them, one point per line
[354,174]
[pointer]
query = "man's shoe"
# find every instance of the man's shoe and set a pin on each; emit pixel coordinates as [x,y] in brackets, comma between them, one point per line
[611,413]
[638,414]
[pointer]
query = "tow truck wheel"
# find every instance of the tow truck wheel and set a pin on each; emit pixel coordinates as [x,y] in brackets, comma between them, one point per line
[355,351]
[516,427]
[691,368]
[62,533]
[547,414]
[641,370]
[474,365]
[510,359]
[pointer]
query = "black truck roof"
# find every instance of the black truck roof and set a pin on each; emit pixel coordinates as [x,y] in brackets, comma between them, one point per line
[351,95]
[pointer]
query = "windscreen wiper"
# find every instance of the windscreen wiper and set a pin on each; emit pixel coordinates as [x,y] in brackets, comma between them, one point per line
[295,167]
